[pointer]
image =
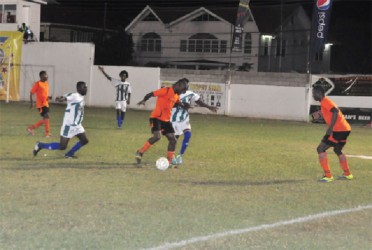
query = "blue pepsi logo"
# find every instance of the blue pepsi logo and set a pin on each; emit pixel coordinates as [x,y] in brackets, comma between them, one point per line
[323,4]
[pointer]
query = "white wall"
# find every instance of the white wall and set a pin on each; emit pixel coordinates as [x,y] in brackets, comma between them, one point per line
[261,95]
[65,63]
[68,63]
[142,80]
[272,102]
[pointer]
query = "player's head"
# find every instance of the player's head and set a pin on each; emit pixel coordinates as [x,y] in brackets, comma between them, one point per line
[123,74]
[318,93]
[81,88]
[43,76]
[181,86]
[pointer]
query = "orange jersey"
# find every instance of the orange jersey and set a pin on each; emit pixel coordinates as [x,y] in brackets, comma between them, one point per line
[41,89]
[164,104]
[341,124]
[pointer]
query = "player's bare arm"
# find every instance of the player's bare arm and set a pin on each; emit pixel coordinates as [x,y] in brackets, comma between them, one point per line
[104,73]
[128,100]
[31,101]
[148,96]
[203,104]
[182,105]
[60,99]
[333,121]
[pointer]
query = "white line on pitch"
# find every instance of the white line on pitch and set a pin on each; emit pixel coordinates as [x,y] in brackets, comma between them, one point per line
[183,243]
[361,156]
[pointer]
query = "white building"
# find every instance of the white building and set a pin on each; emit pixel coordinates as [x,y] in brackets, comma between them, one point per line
[275,39]
[15,12]
[192,38]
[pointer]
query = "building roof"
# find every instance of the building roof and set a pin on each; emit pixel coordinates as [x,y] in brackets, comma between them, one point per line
[267,17]
[170,14]
[38,1]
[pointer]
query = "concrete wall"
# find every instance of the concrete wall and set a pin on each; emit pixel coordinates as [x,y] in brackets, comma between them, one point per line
[251,94]
[247,94]
[68,63]
[65,63]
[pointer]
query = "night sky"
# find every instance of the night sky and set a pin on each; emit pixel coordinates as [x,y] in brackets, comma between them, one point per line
[350,29]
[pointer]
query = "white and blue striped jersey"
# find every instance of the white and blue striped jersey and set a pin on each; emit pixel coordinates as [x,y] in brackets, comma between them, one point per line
[122,89]
[180,114]
[74,112]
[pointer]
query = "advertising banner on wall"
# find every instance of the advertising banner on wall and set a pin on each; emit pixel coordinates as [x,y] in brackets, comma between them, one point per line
[348,90]
[320,25]
[10,60]
[241,18]
[212,94]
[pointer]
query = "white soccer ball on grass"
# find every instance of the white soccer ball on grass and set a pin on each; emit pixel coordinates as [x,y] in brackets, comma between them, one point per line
[162,163]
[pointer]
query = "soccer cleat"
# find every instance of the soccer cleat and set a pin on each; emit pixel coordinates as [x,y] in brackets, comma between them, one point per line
[48,136]
[139,157]
[174,161]
[37,148]
[179,159]
[345,177]
[326,179]
[173,166]
[70,156]
[30,131]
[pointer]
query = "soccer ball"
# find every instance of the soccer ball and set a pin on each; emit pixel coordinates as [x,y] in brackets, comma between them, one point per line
[162,163]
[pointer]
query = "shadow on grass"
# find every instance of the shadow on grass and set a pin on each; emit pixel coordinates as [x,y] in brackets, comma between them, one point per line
[72,164]
[243,183]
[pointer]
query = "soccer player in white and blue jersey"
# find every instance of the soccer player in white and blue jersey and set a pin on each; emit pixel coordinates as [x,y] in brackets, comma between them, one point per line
[123,92]
[181,120]
[72,123]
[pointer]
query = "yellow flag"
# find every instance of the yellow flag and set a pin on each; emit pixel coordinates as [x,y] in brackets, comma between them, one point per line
[10,62]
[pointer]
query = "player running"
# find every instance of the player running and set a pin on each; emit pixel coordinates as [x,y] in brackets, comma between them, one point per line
[72,123]
[123,92]
[41,89]
[181,120]
[336,135]
[160,122]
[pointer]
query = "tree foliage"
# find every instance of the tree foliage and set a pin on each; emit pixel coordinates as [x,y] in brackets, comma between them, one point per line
[113,48]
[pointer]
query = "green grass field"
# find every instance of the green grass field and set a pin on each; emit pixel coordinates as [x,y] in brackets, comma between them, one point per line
[237,174]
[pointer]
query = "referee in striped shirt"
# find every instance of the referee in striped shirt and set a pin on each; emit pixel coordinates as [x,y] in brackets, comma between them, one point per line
[123,92]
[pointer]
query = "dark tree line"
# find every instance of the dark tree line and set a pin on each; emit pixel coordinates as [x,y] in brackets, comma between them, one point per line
[113,48]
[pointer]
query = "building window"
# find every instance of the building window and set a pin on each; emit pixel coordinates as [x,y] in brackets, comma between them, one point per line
[205,18]
[295,43]
[248,43]
[319,56]
[151,42]
[203,43]
[183,46]
[265,51]
[8,13]
[284,48]
[281,47]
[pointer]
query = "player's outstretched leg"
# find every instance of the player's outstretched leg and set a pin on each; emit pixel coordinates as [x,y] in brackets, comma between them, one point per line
[83,140]
[50,146]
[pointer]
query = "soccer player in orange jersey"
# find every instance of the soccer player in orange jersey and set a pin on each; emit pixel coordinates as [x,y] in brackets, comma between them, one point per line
[41,89]
[160,120]
[336,135]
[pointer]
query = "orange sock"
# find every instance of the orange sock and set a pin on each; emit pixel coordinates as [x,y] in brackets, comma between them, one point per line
[47,126]
[323,160]
[145,147]
[344,165]
[170,156]
[38,124]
